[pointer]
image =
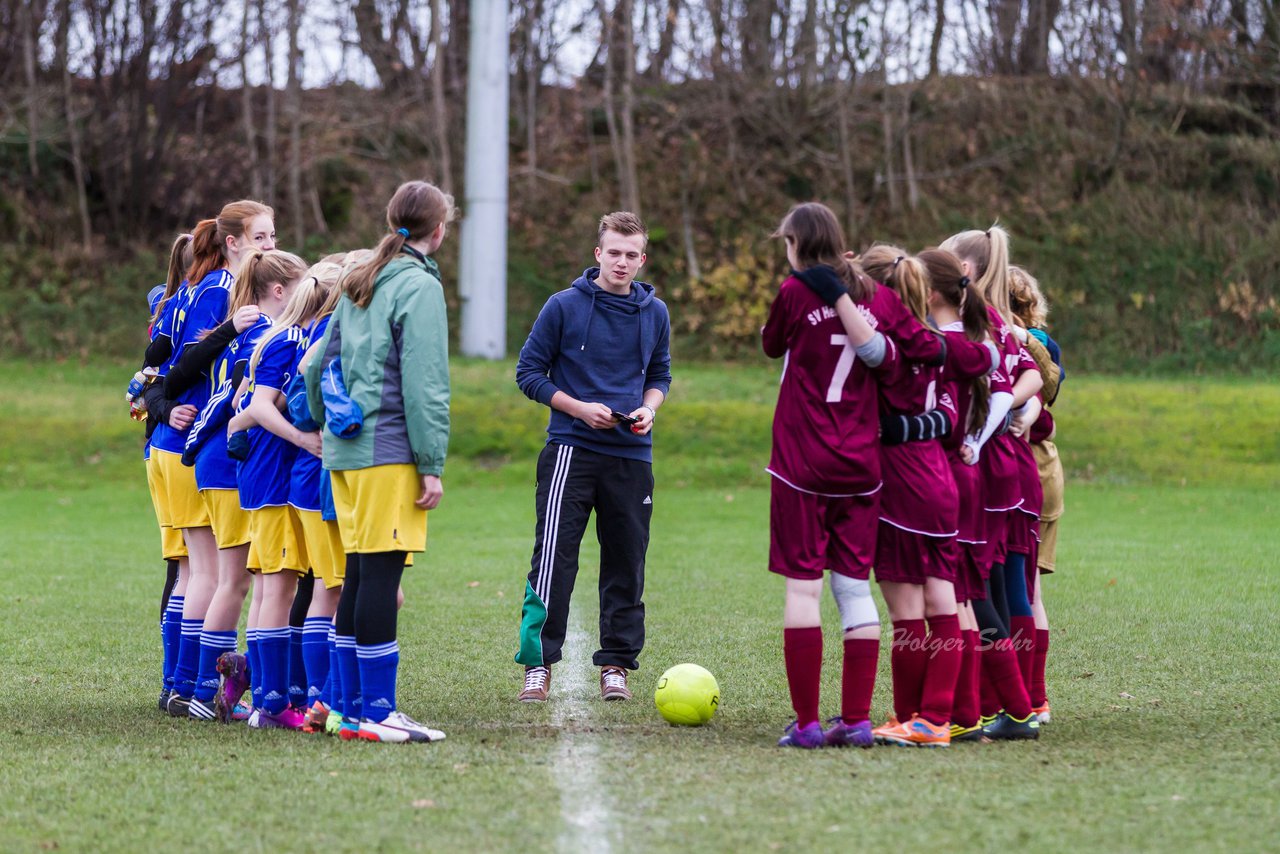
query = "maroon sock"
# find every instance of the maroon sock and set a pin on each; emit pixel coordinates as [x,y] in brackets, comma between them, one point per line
[1023,630]
[1007,679]
[802,651]
[1039,695]
[908,659]
[859,679]
[964,710]
[942,668]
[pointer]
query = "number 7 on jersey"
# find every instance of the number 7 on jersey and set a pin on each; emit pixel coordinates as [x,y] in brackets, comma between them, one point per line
[843,366]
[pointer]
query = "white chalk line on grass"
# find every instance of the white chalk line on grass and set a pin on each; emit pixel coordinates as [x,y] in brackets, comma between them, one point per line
[585,805]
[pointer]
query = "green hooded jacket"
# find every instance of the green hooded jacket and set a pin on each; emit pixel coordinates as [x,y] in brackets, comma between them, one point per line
[395,363]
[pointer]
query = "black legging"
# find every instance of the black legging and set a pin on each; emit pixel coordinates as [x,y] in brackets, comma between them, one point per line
[992,613]
[170,581]
[302,600]
[367,606]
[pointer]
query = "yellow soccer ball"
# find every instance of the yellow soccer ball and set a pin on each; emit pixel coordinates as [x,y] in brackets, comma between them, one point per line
[687,695]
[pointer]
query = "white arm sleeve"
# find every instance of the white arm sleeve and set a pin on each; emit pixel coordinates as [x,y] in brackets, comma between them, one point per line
[1001,402]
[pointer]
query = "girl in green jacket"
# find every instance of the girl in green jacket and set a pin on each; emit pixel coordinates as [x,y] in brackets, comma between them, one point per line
[390,335]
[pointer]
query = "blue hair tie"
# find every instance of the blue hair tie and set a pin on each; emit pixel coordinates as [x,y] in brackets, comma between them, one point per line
[403,232]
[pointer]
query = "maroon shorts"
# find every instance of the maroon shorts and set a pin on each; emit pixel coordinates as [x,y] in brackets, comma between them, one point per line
[971,580]
[810,533]
[995,528]
[1024,533]
[907,558]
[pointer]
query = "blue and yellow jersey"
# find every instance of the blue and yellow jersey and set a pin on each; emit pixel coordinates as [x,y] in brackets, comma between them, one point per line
[304,487]
[264,477]
[208,436]
[153,299]
[203,309]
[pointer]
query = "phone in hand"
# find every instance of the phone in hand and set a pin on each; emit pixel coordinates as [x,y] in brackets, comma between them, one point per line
[625,419]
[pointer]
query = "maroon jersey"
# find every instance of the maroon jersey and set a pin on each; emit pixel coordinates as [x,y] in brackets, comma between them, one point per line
[959,390]
[919,489]
[1001,477]
[826,425]
[1043,428]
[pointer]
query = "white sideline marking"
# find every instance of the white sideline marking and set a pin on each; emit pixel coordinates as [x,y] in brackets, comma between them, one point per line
[584,803]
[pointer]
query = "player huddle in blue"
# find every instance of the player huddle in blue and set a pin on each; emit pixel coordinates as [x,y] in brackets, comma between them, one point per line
[298,423]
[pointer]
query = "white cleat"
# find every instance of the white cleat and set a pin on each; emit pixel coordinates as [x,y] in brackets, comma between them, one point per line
[397,728]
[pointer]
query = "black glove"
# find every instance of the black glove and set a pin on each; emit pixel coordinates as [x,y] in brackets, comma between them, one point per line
[823,281]
[238,445]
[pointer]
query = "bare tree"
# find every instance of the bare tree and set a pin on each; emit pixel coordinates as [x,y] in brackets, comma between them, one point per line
[61,60]
[246,104]
[293,107]
[439,108]
[618,36]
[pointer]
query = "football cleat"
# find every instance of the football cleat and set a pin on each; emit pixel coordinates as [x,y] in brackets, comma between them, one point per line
[806,737]
[1042,713]
[890,725]
[922,733]
[178,705]
[349,729]
[200,710]
[892,732]
[234,669]
[317,716]
[966,733]
[165,694]
[1008,728]
[289,718]
[333,723]
[848,735]
[397,728]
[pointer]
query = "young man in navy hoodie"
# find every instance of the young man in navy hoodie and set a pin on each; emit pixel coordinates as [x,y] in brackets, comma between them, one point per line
[598,350]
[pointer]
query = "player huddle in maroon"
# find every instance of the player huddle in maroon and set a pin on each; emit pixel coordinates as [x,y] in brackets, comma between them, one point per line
[912,439]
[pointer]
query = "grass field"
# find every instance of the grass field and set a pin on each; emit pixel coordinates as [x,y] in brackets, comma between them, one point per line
[1162,670]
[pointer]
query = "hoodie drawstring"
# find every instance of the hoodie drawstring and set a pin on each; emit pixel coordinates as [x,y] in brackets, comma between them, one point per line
[586,333]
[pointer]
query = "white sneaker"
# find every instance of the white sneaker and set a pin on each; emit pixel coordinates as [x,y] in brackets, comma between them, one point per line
[396,728]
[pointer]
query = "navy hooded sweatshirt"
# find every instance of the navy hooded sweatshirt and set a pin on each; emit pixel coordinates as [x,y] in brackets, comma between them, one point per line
[598,347]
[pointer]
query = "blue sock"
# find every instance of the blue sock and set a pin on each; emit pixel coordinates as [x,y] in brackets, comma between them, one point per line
[315,654]
[333,687]
[212,645]
[349,672]
[273,648]
[255,668]
[378,665]
[171,632]
[297,670]
[184,675]
[1015,585]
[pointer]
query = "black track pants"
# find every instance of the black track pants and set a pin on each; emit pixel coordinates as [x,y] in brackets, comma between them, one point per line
[571,483]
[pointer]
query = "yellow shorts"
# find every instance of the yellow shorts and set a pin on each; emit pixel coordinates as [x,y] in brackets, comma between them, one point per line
[176,487]
[277,540]
[172,546]
[376,511]
[324,547]
[230,521]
